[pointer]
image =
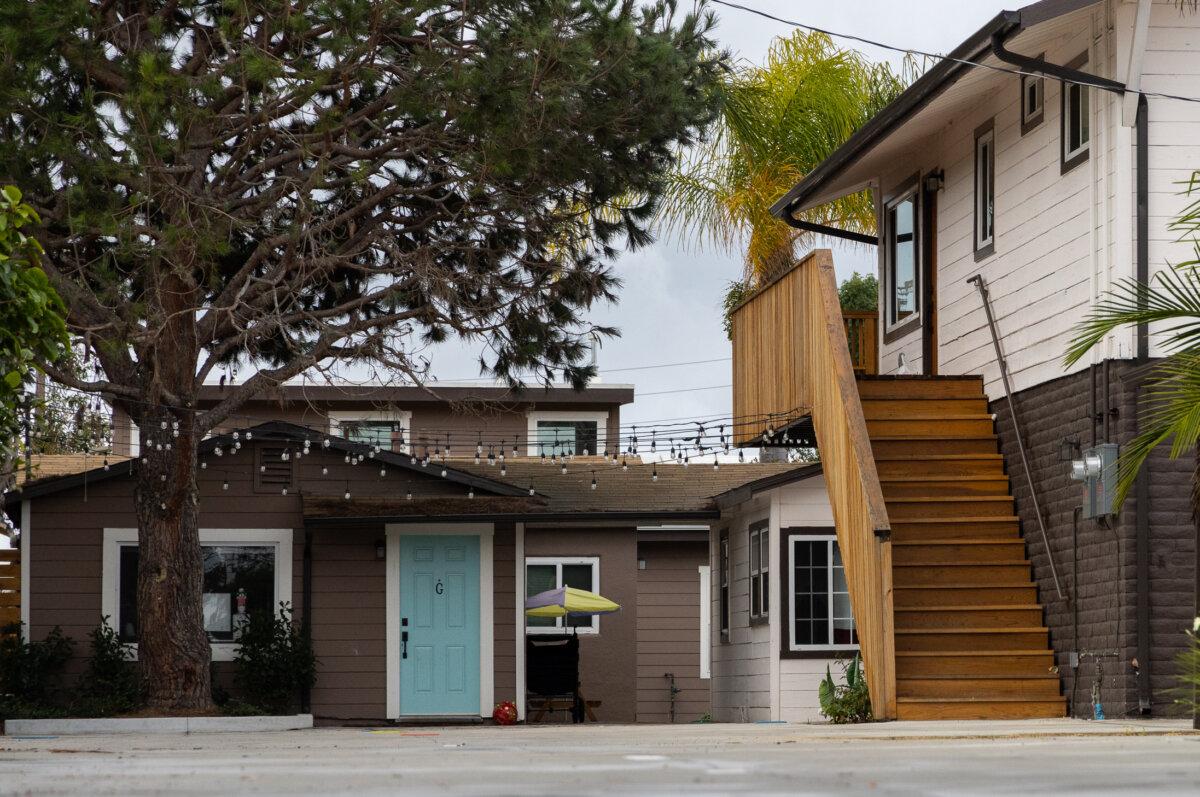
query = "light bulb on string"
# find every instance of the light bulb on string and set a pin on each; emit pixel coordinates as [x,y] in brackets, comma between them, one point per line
[741,455]
[324,470]
[654,474]
[563,469]
[408,496]
[471,493]
[531,488]
[225,484]
[346,495]
[624,464]
[284,491]
[382,472]
[716,464]
[203,465]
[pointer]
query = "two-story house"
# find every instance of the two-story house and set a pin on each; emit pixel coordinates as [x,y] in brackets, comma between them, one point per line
[1015,182]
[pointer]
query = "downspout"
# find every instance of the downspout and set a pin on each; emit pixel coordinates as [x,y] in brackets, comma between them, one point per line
[1141,485]
[306,620]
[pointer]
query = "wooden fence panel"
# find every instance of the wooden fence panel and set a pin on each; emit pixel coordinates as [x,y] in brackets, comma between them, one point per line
[791,358]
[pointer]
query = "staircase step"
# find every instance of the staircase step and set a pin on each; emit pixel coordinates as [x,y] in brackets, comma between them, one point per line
[873,387]
[976,425]
[922,407]
[901,466]
[991,615]
[1016,594]
[979,639]
[960,574]
[936,506]
[910,486]
[884,446]
[1031,687]
[1012,708]
[954,528]
[940,663]
[950,551]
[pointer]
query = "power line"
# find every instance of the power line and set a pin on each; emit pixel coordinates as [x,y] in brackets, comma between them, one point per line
[943,56]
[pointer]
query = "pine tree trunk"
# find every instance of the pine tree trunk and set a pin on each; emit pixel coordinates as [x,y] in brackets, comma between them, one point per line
[172,645]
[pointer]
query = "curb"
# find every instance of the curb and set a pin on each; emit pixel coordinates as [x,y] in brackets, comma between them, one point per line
[182,725]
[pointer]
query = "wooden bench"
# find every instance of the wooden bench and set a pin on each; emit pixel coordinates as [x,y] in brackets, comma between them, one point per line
[543,704]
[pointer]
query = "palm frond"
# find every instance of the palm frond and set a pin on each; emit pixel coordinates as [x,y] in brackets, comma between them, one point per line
[1173,295]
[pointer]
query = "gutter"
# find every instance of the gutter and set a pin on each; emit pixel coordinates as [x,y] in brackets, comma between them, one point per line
[833,232]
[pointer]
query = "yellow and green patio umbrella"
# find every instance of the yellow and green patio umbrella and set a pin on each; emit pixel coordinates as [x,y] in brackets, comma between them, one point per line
[568,601]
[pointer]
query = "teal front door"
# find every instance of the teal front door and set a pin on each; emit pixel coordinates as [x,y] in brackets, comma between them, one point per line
[439,624]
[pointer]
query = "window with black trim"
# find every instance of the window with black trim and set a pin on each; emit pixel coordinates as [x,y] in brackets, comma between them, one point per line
[760,604]
[903,295]
[1076,120]
[985,190]
[723,583]
[819,615]
[1033,101]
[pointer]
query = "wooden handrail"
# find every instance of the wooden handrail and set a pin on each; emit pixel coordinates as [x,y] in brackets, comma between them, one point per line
[791,358]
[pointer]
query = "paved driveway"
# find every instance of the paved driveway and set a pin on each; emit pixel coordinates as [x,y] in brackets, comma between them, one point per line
[1059,757]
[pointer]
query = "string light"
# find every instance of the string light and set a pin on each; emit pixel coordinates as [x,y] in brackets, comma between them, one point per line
[593,480]
[225,484]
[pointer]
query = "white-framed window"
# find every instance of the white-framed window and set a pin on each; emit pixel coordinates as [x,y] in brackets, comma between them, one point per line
[985,190]
[245,571]
[1033,101]
[760,581]
[388,429]
[819,615]
[544,573]
[1076,119]
[903,295]
[565,432]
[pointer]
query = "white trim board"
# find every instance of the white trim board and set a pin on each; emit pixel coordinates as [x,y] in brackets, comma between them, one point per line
[26,557]
[705,621]
[221,651]
[487,666]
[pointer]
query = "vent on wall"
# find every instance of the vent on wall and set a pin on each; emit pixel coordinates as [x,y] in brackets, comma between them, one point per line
[273,473]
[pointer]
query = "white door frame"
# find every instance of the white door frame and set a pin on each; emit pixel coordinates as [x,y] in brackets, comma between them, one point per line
[485,532]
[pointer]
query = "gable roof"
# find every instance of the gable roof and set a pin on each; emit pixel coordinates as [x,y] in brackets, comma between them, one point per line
[834,177]
[270,431]
[748,490]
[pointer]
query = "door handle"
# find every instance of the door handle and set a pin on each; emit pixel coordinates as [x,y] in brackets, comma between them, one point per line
[404,644]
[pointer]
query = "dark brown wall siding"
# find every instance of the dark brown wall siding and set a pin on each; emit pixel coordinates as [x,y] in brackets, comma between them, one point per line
[668,632]
[1106,590]
[504,633]
[348,582]
[430,423]
[608,667]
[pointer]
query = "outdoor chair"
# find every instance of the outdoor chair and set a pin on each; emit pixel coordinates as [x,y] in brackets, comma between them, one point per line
[552,677]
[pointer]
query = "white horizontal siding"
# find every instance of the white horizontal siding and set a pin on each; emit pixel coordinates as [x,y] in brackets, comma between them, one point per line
[798,684]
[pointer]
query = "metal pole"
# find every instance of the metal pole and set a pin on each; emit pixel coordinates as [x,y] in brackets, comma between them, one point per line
[1012,411]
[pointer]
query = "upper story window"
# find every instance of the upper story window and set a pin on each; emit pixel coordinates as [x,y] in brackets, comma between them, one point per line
[819,615]
[567,433]
[985,190]
[1033,101]
[760,560]
[902,295]
[1076,120]
[544,573]
[388,429]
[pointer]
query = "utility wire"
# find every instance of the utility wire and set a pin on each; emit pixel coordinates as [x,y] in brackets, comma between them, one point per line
[943,56]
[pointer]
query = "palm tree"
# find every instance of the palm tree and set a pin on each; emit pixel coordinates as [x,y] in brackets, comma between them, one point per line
[779,121]
[1172,300]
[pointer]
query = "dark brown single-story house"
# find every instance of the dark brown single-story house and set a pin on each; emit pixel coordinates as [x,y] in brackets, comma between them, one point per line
[370,546]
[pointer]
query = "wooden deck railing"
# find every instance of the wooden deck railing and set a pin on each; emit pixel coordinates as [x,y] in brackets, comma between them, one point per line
[10,587]
[862,338]
[790,359]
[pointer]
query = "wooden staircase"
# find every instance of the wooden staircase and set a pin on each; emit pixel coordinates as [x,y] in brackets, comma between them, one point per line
[970,639]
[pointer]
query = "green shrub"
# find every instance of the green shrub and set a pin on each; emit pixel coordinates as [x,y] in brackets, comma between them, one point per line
[1187,689]
[31,672]
[849,702]
[274,662]
[112,683]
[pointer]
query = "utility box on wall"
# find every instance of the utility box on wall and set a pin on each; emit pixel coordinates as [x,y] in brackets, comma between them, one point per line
[1098,472]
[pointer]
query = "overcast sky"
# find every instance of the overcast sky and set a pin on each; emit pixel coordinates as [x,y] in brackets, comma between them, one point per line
[669,308]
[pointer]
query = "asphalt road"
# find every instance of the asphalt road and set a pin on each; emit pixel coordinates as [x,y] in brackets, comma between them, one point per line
[896,758]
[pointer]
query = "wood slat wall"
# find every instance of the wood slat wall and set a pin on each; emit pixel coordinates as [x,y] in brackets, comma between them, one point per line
[790,357]
[10,586]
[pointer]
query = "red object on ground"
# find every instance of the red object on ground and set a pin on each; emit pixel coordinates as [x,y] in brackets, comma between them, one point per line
[505,713]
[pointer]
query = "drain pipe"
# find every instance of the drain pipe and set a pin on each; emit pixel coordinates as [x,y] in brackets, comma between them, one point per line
[979,283]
